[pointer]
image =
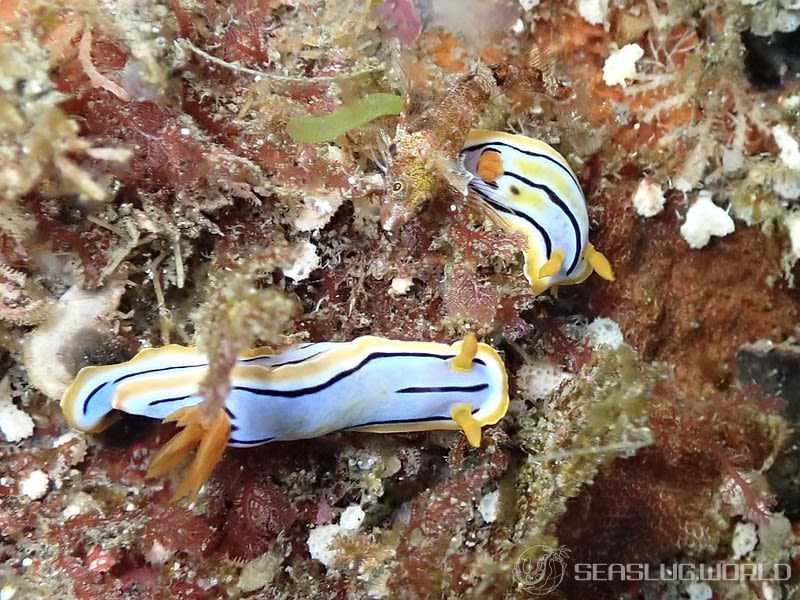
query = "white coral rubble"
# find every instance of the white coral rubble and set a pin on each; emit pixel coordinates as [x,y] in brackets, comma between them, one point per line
[705,219]
[621,65]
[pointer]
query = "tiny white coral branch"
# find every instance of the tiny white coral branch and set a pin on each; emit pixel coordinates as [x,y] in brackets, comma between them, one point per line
[621,64]
[115,154]
[705,219]
[79,177]
[95,76]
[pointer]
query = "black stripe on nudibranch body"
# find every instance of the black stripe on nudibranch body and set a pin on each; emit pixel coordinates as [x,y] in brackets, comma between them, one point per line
[271,359]
[126,376]
[339,376]
[161,401]
[443,389]
[268,392]
[402,421]
[121,378]
[556,199]
[552,196]
[256,442]
[90,395]
[491,146]
[313,389]
[297,361]
[502,208]
[432,419]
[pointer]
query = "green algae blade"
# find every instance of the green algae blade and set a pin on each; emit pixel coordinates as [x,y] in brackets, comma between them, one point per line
[324,128]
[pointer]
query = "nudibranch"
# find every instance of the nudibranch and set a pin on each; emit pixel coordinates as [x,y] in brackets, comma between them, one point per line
[368,384]
[527,187]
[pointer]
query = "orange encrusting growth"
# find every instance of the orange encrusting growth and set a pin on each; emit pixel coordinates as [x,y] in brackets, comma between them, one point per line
[445,51]
[211,438]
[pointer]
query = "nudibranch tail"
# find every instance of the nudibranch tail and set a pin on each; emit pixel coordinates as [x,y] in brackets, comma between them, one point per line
[527,187]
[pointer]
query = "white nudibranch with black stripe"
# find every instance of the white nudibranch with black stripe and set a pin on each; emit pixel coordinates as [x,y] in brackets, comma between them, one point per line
[368,384]
[528,187]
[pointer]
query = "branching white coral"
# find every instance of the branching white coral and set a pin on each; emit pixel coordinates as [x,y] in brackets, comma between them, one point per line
[705,219]
[769,16]
[305,262]
[35,485]
[792,223]
[321,545]
[621,64]
[648,199]
[317,209]
[538,379]
[789,148]
[594,12]
[689,174]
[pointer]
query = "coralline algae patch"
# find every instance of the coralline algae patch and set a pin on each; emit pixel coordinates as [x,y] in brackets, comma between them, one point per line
[154,195]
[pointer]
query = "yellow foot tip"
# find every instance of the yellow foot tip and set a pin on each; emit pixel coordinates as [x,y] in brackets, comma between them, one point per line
[553,265]
[462,414]
[599,263]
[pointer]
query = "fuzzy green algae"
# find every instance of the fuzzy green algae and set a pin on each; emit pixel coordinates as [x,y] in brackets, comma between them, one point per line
[324,128]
